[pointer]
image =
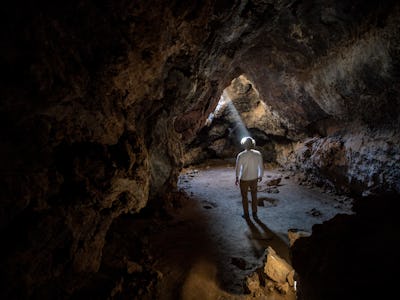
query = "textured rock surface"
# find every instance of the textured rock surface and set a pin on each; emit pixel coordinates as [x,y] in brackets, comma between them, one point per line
[276,276]
[360,161]
[350,257]
[99,99]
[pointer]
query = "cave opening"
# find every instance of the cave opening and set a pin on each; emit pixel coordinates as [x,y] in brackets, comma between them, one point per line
[237,128]
[240,112]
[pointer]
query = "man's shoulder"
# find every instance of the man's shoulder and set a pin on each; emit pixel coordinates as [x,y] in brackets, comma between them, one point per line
[255,151]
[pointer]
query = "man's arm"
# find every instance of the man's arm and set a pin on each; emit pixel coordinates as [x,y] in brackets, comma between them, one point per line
[237,169]
[260,168]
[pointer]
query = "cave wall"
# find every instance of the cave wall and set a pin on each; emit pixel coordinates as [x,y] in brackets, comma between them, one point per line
[96,102]
[360,162]
[337,60]
[350,256]
[100,98]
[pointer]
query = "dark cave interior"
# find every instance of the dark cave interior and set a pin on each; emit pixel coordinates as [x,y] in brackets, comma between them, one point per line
[103,103]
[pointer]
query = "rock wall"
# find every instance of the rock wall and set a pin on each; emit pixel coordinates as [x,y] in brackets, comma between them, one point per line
[96,103]
[350,257]
[360,162]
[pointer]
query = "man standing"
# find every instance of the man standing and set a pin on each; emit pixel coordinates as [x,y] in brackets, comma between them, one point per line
[249,170]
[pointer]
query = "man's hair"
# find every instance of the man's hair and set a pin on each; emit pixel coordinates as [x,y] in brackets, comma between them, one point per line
[248,142]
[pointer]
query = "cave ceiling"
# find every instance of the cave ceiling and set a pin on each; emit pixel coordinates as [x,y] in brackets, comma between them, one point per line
[309,60]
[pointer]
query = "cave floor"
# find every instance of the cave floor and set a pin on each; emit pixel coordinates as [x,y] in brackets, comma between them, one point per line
[208,249]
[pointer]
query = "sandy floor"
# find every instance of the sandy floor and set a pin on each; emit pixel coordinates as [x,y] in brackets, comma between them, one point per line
[209,249]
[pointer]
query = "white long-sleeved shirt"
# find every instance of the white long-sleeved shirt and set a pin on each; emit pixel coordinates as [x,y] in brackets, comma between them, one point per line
[249,165]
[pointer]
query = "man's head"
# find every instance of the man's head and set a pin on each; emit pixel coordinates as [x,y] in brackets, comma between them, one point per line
[248,142]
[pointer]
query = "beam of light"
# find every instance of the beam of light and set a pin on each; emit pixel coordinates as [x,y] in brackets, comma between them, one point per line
[239,130]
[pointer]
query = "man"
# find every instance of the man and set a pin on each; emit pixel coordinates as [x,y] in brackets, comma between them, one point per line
[249,170]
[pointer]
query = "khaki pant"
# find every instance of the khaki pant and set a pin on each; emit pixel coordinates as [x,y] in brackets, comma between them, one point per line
[245,185]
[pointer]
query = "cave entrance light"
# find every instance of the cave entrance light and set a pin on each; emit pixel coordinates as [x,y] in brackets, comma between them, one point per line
[226,105]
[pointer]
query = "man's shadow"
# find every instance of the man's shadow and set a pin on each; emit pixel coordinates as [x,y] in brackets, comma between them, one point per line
[262,237]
